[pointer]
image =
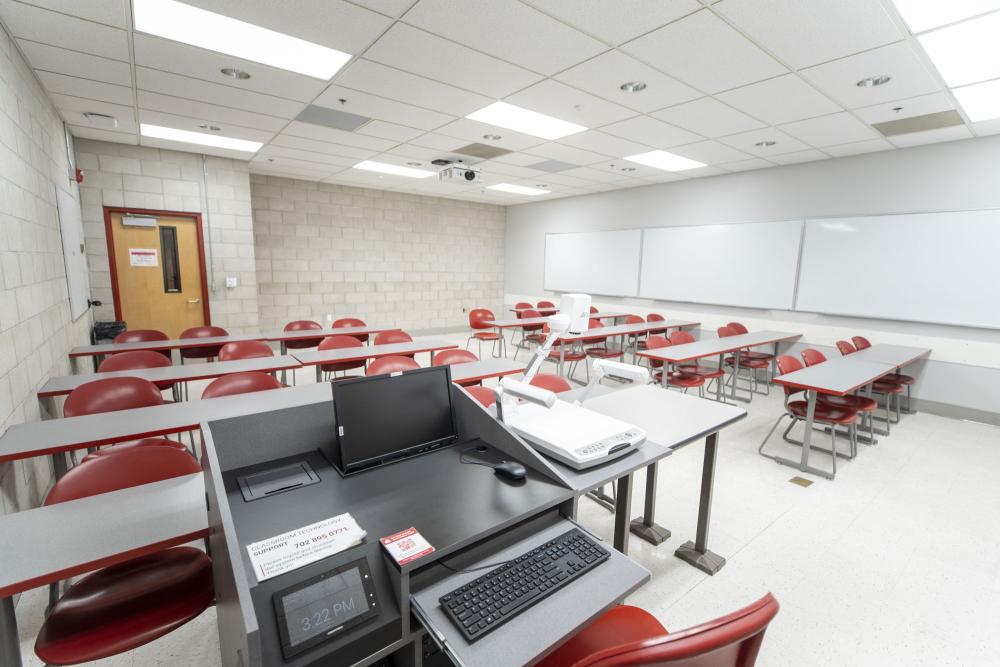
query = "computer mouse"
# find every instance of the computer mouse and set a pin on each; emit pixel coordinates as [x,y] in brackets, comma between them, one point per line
[510,470]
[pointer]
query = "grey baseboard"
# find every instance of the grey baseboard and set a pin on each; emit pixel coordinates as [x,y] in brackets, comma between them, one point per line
[956,411]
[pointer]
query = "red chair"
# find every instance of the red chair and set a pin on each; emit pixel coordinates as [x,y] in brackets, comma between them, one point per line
[240,383]
[390,337]
[707,372]
[303,343]
[593,309]
[453,356]
[391,364]
[346,322]
[599,345]
[845,348]
[749,353]
[898,378]
[339,343]
[137,360]
[206,352]
[655,317]
[627,636]
[484,395]
[551,382]
[142,336]
[245,349]
[124,606]
[679,379]
[519,306]
[863,405]
[824,413]
[529,332]
[749,364]
[635,339]
[546,304]
[566,352]
[478,320]
[860,342]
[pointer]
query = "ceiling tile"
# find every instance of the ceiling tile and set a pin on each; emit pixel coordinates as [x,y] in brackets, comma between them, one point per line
[306,144]
[275,165]
[839,78]
[422,53]
[214,93]
[391,131]
[192,125]
[190,61]
[590,174]
[103,135]
[780,100]
[620,170]
[651,132]
[272,150]
[74,63]
[92,90]
[987,127]
[931,136]
[807,32]
[506,29]
[394,84]
[372,106]
[439,142]
[704,52]
[613,22]
[309,131]
[417,153]
[837,128]
[217,115]
[337,24]
[393,8]
[517,159]
[569,104]
[199,149]
[858,147]
[473,131]
[914,106]
[108,12]
[603,76]
[747,165]
[605,144]
[703,171]
[555,151]
[810,155]
[708,117]
[747,142]
[73,108]
[709,152]
[40,25]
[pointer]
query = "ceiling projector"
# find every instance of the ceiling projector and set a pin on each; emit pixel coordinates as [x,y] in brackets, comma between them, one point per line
[461,174]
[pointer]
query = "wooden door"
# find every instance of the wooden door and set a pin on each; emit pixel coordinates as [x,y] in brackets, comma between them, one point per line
[157,271]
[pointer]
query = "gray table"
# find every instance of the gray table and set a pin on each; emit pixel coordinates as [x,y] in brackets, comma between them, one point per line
[894,355]
[476,371]
[54,543]
[718,347]
[284,337]
[368,352]
[98,352]
[617,331]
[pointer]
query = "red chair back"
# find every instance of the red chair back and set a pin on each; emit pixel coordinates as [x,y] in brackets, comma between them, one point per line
[654,317]
[479,316]
[845,348]
[202,332]
[337,343]
[528,314]
[453,356]
[129,467]
[245,349]
[788,364]
[392,364]
[547,304]
[388,337]
[240,383]
[593,309]
[111,395]
[727,331]
[551,382]
[680,338]
[738,327]
[860,342]
[351,322]
[484,395]
[812,357]
[634,319]
[142,336]
[303,343]
[653,342]
[521,305]
[130,361]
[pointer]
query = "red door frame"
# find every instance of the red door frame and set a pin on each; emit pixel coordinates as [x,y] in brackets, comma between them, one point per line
[108,232]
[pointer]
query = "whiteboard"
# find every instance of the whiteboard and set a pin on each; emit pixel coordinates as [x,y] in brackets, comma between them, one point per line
[71,229]
[748,264]
[922,267]
[604,263]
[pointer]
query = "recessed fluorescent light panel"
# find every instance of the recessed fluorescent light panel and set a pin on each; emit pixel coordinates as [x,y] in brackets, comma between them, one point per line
[921,15]
[394,169]
[966,52]
[665,161]
[200,138]
[518,189]
[980,101]
[215,32]
[518,119]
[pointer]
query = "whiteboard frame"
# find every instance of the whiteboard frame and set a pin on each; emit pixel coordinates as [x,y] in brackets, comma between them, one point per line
[638,278]
[83,307]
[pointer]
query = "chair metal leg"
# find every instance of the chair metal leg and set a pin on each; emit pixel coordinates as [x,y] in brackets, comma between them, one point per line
[760,450]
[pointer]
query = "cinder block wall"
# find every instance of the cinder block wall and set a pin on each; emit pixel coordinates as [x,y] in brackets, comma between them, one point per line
[166,180]
[387,257]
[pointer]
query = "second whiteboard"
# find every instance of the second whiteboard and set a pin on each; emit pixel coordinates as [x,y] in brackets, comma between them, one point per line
[748,264]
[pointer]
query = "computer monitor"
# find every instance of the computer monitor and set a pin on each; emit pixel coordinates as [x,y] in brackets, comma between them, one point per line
[387,417]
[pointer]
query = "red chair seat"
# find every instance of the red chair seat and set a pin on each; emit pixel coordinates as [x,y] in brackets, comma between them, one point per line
[538,338]
[568,355]
[625,624]
[704,371]
[126,605]
[603,353]
[484,395]
[859,403]
[751,354]
[828,414]
[899,378]
[486,335]
[132,444]
[884,386]
[681,379]
[749,362]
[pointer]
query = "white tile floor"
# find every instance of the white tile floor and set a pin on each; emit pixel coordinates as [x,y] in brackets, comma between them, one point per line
[897,562]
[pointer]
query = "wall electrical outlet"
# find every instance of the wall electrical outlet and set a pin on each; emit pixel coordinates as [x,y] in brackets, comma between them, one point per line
[232,281]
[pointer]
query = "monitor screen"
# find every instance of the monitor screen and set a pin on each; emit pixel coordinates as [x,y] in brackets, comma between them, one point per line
[387,416]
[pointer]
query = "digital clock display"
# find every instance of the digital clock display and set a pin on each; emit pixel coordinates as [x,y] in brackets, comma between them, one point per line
[323,606]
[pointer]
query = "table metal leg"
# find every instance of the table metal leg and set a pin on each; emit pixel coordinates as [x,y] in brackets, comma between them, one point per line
[319,372]
[719,382]
[645,526]
[284,351]
[59,466]
[601,498]
[10,647]
[623,509]
[807,436]
[697,553]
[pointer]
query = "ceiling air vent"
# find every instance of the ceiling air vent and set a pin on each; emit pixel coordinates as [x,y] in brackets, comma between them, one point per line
[930,121]
[552,166]
[481,151]
[339,120]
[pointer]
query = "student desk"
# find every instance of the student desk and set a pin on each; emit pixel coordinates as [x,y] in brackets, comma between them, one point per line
[473,372]
[283,337]
[54,543]
[619,330]
[367,352]
[552,311]
[719,347]
[98,352]
[896,356]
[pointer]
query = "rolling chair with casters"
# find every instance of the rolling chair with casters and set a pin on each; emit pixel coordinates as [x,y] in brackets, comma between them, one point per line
[478,317]
[338,343]
[391,364]
[627,636]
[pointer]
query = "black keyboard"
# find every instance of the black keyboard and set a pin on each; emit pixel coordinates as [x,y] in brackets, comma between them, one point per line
[484,604]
